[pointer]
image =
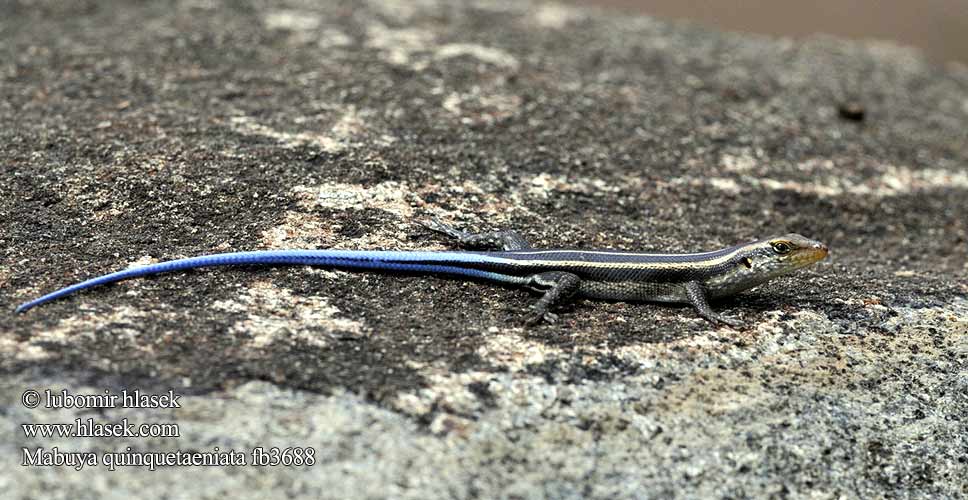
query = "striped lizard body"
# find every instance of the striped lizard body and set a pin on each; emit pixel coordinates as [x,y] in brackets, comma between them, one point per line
[557,274]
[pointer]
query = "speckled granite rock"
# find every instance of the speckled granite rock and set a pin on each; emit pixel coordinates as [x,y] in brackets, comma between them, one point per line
[134,132]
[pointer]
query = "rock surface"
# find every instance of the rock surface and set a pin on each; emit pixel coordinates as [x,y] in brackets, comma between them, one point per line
[136,132]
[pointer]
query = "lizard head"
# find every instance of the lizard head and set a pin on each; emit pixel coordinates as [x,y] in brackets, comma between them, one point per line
[782,254]
[756,263]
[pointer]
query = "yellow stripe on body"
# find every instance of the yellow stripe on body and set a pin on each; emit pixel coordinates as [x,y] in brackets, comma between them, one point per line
[634,265]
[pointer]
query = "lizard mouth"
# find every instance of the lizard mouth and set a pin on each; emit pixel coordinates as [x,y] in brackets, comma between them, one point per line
[811,254]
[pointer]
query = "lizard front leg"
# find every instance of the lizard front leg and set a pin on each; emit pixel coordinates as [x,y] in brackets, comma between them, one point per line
[697,297]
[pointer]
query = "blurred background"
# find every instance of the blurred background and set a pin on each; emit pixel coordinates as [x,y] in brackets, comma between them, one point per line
[938,27]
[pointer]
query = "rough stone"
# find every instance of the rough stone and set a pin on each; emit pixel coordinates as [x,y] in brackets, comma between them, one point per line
[142,131]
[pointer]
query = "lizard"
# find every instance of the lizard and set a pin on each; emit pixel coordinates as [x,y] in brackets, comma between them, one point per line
[557,274]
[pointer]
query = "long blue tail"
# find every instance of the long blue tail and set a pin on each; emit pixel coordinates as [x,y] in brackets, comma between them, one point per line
[429,262]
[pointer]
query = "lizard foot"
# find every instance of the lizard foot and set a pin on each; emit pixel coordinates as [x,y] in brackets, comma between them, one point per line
[734,323]
[537,317]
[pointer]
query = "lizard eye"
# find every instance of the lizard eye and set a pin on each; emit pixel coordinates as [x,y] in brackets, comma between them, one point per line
[781,247]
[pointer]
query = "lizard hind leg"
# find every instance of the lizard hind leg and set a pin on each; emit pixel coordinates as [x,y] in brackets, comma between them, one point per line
[494,240]
[558,287]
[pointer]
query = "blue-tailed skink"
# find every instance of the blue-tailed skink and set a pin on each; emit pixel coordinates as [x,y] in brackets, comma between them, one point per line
[559,275]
